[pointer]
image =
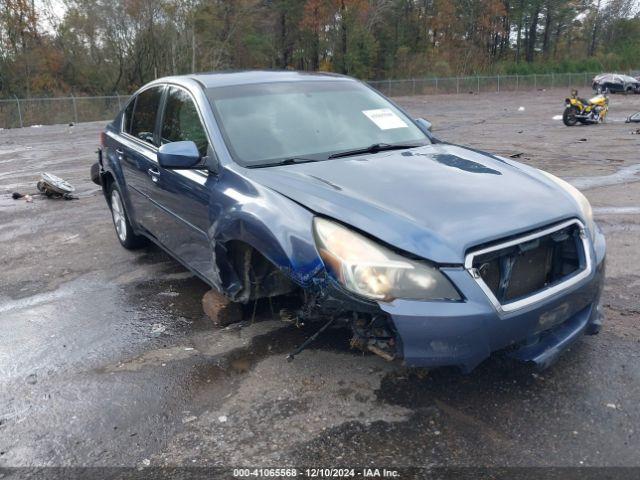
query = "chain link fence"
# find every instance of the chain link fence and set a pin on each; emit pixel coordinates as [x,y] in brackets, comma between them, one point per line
[15,112]
[482,84]
[24,112]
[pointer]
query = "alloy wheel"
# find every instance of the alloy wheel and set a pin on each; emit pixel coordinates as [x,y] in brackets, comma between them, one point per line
[119,219]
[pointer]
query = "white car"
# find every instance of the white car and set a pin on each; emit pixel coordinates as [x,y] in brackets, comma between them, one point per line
[615,82]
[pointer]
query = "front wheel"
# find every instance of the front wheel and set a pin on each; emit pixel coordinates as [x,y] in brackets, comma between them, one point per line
[124,231]
[570,116]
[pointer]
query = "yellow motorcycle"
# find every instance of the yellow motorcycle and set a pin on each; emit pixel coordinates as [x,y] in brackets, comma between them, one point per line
[580,110]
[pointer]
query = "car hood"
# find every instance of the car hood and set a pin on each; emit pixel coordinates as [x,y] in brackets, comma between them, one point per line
[435,201]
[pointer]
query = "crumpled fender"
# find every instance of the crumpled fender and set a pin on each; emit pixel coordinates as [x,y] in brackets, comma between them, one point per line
[280,229]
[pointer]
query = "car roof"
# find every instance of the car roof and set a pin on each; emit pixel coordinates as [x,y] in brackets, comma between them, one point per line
[225,79]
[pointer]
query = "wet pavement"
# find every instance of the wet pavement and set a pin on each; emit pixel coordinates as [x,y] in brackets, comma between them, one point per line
[106,357]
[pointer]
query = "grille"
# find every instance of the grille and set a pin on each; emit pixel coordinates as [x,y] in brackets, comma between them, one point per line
[517,270]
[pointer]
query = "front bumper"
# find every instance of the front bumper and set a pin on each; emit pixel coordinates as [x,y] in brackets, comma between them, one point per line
[465,333]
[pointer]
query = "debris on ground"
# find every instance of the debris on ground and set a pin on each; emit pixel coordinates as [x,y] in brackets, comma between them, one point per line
[521,109]
[158,328]
[55,187]
[583,139]
[557,117]
[635,118]
[220,310]
[635,132]
[50,186]
[516,155]
[26,197]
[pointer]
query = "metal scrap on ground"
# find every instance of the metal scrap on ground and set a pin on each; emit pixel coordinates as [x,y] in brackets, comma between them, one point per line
[50,186]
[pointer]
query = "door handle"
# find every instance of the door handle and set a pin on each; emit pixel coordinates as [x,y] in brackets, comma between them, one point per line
[155,174]
[119,151]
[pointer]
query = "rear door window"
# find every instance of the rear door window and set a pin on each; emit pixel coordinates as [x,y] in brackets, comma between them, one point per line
[145,111]
[182,122]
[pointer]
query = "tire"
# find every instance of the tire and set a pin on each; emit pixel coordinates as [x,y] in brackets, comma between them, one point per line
[628,91]
[121,223]
[569,116]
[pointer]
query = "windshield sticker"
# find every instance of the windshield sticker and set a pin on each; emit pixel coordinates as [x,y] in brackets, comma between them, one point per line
[385,118]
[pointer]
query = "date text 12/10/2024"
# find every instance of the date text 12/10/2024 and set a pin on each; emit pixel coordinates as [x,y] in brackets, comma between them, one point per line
[315,473]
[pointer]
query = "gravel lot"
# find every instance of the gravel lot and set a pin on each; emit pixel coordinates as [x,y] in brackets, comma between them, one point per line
[106,357]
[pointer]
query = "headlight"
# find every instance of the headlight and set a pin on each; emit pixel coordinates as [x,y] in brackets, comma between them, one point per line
[373,271]
[585,206]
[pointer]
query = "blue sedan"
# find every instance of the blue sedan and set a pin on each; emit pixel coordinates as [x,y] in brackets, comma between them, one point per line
[318,188]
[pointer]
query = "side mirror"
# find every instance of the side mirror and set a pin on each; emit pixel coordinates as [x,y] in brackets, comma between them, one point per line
[424,125]
[179,155]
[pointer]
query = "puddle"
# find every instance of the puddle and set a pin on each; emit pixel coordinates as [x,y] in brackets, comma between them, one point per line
[12,150]
[79,286]
[623,175]
[616,210]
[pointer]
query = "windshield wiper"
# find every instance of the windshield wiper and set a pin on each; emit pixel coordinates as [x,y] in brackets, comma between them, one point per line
[375,148]
[287,161]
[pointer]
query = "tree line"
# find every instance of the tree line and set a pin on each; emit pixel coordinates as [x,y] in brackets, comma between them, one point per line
[106,46]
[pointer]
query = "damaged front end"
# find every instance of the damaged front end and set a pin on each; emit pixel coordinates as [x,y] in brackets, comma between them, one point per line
[531,298]
[532,293]
[359,275]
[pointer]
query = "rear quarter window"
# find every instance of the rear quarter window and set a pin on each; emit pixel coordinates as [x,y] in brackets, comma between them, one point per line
[145,112]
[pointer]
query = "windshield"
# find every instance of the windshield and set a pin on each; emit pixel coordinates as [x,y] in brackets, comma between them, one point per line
[270,122]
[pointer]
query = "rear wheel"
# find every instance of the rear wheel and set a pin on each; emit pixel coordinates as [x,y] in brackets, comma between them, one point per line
[124,231]
[569,117]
